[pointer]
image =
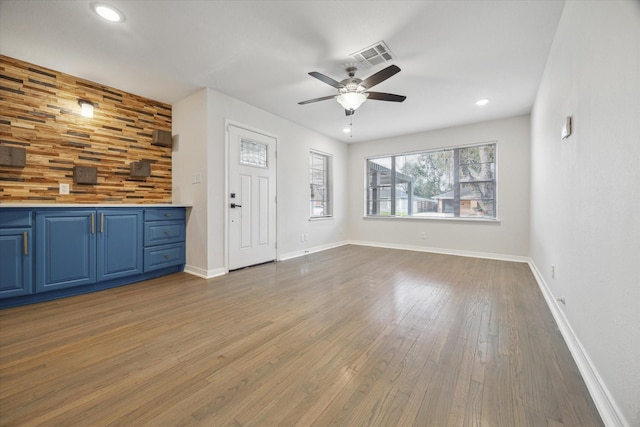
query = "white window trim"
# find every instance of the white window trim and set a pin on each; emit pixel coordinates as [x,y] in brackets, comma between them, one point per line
[429,218]
[329,157]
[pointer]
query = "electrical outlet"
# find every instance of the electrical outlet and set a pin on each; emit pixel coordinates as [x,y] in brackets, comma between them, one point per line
[64,188]
[553,271]
[423,236]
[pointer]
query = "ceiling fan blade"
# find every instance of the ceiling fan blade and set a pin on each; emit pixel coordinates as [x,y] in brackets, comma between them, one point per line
[349,112]
[326,79]
[324,98]
[380,76]
[380,96]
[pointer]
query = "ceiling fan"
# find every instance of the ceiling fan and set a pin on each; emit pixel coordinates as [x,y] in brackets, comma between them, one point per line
[352,91]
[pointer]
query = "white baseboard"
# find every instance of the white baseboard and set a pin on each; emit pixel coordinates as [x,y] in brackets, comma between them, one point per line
[295,254]
[607,407]
[205,274]
[486,255]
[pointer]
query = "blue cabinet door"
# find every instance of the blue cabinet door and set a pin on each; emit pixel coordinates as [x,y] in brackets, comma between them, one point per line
[120,251]
[65,249]
[16,262]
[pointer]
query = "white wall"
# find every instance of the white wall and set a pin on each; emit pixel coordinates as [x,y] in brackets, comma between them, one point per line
[201,148]
[508,238]
[190,157]
[585,195]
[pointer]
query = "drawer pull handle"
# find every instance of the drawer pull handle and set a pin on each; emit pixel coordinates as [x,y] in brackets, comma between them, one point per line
[167,256]
[167,214]
[24,238]
[102,222]
[167,232]
[93,224]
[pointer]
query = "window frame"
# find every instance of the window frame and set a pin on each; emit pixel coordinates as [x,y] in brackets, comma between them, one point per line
[393,185]
[327,170]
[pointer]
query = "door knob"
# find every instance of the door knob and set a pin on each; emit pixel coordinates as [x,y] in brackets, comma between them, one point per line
[233,205]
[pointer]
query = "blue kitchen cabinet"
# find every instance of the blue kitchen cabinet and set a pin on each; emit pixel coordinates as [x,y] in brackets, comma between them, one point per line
[164,238]
[87,246]
[54,252]
[120,243]
[16,262]
[66,249]
[16,253]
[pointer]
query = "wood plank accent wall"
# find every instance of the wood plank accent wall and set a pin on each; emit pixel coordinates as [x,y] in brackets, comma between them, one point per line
[39,111]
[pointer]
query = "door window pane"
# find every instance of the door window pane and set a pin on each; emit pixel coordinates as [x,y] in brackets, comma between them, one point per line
[253,153]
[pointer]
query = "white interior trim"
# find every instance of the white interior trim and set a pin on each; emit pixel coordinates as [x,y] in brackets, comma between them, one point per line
[320,248]
[205,274]
[485,255]
[606,405]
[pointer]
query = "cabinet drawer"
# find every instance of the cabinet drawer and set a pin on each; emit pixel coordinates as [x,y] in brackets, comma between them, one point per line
[163,256]
[164,214]
[13,218]
[163,232]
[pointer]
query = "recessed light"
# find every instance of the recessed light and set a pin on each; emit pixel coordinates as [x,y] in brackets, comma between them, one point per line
[107,12]
[482,102]
[346,130]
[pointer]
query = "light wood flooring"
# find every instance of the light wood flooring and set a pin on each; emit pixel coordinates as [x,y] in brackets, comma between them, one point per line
[353,336]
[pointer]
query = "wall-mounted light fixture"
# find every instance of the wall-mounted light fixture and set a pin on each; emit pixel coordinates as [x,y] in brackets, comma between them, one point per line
[86,108]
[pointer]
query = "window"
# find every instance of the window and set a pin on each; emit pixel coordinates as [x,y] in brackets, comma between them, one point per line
[320,185]
[457,182]
[253,153]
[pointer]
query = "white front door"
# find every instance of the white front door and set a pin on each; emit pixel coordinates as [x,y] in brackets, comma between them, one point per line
[252,198]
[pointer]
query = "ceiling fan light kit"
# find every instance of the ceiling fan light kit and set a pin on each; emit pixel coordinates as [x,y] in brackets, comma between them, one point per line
[352,100]
[353,92]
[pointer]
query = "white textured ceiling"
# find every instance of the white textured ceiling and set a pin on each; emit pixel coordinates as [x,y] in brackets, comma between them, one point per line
[451,53]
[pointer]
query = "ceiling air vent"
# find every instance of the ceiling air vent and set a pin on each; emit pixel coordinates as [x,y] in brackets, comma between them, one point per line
[373,55]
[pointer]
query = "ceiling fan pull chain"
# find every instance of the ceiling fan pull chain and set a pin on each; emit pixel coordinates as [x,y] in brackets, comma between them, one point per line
[351,126]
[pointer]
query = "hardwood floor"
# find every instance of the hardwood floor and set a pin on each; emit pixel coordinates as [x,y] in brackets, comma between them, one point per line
[353,336]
